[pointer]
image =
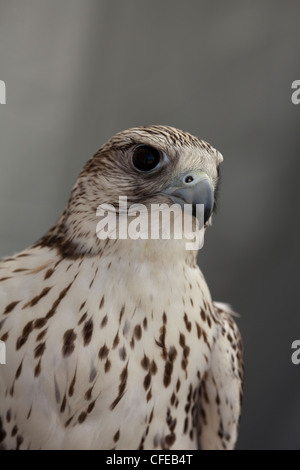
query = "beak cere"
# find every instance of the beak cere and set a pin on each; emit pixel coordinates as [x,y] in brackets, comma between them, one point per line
[193,188]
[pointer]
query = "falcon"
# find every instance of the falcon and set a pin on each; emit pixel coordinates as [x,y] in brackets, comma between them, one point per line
[116,343]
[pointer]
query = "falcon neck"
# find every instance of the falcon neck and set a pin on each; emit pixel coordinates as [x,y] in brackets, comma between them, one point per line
[72,244]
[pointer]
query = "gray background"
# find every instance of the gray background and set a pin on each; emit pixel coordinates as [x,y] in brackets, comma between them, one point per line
[77,71]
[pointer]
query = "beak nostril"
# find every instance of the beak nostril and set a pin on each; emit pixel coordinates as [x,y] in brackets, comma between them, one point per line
[188,179]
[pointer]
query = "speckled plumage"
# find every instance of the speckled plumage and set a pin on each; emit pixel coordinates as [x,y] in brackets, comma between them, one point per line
[117,344]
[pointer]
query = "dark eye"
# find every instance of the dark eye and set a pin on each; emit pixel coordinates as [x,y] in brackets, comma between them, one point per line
[146,158]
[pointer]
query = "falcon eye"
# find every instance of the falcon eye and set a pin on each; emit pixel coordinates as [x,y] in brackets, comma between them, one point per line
[146,158]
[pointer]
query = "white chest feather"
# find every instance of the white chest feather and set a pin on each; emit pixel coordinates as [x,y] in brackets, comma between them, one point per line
[100,348]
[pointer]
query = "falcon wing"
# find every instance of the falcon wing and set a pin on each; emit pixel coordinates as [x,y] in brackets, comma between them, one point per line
[220,393]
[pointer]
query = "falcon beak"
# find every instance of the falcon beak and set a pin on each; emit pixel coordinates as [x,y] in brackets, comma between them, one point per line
[193,187]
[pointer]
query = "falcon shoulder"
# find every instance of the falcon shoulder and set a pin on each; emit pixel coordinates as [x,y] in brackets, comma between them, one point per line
[220,395]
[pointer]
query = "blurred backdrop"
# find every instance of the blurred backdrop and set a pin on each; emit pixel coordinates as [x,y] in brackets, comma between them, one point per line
[78,71]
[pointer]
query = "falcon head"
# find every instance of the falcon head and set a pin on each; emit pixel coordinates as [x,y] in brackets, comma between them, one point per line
[150,164]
